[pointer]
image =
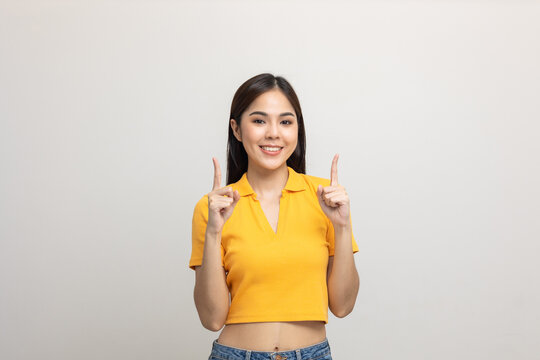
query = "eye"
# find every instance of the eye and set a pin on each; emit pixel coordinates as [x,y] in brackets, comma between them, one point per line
[287,121]
[255,121]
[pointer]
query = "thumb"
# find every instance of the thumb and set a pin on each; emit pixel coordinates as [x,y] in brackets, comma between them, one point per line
[236,198]
[319,193]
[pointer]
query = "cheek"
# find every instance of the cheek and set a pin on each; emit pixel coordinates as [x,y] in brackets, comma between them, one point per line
[251,134]
[292,136]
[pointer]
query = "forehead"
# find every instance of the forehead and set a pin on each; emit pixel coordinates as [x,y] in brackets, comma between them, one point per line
[272,101]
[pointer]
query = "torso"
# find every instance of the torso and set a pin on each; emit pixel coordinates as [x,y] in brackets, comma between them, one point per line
[270,208]
[273,336]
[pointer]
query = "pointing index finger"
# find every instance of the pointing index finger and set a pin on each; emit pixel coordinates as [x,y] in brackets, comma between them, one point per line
[217,175]
[333,172]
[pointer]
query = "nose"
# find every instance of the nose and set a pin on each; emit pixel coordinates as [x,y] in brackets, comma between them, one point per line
[272,131]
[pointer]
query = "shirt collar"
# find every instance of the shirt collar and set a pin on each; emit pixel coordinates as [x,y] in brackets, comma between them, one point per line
[295,182]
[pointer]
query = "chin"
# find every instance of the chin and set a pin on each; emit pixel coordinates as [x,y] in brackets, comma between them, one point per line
[271,166]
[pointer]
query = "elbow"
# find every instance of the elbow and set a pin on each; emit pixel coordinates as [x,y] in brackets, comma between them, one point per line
[341,310]
[212,326]
[341,313]
[211,322]
[212,314]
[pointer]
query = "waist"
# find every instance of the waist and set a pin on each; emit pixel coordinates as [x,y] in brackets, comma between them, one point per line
[273,336]
[316,351]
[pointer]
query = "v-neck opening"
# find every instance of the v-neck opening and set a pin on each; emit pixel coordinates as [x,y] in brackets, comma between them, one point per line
[268,225]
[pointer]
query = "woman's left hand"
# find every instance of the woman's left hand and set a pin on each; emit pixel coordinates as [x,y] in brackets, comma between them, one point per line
[333,199]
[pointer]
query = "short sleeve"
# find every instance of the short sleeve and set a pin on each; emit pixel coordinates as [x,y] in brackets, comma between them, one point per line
[198,231]
[331,240]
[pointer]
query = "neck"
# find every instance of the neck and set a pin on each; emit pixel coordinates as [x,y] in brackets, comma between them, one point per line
[267,183]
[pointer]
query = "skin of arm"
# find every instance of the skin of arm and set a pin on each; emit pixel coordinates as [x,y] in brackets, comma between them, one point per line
[342,277]
[211,293]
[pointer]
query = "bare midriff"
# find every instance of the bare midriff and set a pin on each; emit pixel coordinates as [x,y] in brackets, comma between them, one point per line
[273,336]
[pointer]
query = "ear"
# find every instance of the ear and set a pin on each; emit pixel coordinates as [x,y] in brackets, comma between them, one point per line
[236,130]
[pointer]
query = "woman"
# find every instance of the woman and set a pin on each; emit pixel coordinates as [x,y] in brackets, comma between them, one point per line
[271,236]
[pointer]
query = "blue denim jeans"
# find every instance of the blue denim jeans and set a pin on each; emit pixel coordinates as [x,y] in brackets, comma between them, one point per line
[319,351]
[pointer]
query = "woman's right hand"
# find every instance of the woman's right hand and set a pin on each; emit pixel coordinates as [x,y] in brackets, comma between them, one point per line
[221,202]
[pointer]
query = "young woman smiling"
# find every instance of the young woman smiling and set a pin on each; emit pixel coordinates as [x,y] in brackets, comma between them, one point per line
[278,240]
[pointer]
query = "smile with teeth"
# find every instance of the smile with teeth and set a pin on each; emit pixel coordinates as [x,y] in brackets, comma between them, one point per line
[271,150]
[268,148]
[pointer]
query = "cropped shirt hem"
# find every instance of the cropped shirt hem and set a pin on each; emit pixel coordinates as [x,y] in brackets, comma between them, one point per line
[275,318]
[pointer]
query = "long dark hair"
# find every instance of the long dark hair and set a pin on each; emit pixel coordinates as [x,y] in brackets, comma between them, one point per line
[237,159]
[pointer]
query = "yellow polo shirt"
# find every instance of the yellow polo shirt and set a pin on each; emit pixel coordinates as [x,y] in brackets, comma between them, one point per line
[273,276]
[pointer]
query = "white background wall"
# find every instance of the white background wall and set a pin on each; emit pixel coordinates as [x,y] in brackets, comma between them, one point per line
[111,111]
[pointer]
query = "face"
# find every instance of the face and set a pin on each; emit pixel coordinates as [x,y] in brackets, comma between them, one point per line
[268,130]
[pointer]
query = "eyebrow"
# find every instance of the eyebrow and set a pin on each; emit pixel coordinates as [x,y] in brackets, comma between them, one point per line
[265,114]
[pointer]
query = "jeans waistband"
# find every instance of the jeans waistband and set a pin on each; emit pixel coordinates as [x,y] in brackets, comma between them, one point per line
[315,351]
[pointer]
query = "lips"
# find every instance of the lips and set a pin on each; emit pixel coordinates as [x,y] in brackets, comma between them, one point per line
[271,152]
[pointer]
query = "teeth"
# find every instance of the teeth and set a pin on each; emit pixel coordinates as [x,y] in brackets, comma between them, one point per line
[270,148]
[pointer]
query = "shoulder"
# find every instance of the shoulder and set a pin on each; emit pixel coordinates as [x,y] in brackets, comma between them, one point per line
[202,201]
[314,181]
[201,206]
[311,183]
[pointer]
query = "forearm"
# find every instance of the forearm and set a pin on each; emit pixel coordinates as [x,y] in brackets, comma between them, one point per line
[343,281]
[211,293]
